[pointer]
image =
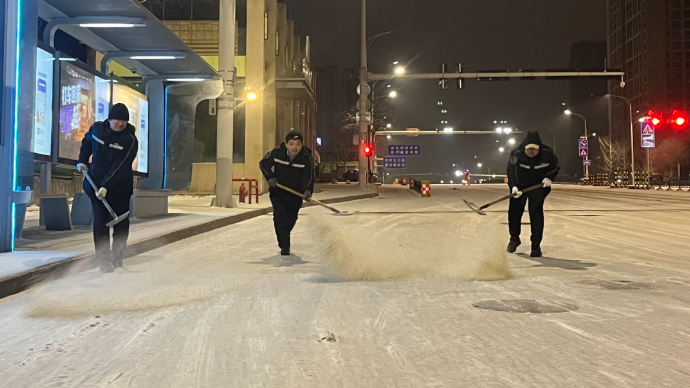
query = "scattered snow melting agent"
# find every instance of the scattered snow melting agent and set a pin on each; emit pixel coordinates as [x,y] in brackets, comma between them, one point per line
[405,246]
[525,306]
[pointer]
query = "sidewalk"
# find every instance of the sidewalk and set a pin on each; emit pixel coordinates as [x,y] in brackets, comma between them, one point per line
[42,253]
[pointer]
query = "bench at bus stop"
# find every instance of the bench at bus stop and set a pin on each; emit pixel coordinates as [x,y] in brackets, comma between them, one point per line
[142,204]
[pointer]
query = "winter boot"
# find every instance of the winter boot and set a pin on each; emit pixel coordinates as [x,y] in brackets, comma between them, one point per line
[106,267]
[285,252]
[513,245]
[536,251]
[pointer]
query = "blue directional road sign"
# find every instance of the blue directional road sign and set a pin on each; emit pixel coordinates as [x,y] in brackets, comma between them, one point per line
[403,150]
[394,162]
[648,137]
[583,147]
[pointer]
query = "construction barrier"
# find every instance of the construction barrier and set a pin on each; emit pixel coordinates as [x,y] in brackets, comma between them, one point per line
[426,189]
[416,185]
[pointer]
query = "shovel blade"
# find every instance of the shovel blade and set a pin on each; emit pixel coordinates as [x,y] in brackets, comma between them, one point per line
[474,207]
[117,220]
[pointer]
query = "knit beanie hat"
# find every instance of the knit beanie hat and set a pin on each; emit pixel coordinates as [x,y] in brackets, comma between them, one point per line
[119,112]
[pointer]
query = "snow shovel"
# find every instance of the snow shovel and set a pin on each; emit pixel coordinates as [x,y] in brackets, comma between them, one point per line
[116,220]
[334,210]
[480,210]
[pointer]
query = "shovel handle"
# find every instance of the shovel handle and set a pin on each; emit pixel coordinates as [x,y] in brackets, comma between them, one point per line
[512,195]
[95,189]
[289,190]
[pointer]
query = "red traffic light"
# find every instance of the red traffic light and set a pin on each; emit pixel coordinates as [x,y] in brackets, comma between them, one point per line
[679,120]
[367,150]
[655,118]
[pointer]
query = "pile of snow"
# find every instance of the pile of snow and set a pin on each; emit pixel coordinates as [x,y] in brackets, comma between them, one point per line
[397,246]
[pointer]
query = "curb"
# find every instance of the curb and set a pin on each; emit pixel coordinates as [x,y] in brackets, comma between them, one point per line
[20,282]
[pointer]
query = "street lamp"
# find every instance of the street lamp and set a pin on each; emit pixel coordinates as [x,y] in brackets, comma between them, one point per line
[511,141]
[447,129]
[399,70]
[632,137]
[501,149]
[393,94]
[507,130]
[389,125]
[499,130]
[479,165]
[388,137]
[458,173]
[570,113]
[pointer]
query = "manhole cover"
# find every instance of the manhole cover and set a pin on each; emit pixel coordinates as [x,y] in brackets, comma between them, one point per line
[617,284]
[525,306]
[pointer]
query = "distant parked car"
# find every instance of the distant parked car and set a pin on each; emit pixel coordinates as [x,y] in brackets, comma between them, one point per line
[351,175]
[656,179]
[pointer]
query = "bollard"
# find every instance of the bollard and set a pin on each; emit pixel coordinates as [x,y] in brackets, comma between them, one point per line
[426,189]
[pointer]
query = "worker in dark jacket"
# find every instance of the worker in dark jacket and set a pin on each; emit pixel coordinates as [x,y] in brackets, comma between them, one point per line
[530,164]
[290,165]
[113,146]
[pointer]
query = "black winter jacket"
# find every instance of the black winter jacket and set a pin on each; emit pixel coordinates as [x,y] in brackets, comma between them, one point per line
[524,171]
[297,174]
[113,154]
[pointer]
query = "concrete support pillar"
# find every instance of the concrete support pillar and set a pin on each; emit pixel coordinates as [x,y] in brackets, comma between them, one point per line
[295,115]
[269,93]
[256,81]
[283,52]
[226,105]
[302,115]
[280,120]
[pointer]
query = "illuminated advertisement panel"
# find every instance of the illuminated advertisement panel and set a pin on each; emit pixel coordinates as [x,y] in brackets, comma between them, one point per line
[138,116]
[41,139]
[77,108]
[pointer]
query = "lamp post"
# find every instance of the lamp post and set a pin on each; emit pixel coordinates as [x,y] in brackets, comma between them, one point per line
[569,112]
[632,137]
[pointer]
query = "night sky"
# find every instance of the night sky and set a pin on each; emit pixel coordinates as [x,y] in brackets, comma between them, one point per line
[482,35]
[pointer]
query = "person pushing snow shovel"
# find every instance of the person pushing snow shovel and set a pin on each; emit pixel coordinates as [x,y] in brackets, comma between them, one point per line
[288,165]
[114,146]
[529,164]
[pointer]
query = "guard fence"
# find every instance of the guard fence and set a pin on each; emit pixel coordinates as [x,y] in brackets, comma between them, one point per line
[643,180]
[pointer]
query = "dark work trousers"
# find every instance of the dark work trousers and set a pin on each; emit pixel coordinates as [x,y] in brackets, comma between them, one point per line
[101,233]
[285,211]
[536,214]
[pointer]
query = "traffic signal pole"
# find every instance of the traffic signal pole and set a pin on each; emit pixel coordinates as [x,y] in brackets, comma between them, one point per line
[363,100]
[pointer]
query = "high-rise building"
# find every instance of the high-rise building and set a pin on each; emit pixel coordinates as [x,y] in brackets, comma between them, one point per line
[586,99]
[650,41]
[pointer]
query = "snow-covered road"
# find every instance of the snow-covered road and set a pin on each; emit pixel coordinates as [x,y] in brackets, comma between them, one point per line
[383,298]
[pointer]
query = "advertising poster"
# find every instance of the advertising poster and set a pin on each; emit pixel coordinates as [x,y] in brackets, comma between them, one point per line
[41,140]
[77,108]
[102,99]
[138,116]
[143,155]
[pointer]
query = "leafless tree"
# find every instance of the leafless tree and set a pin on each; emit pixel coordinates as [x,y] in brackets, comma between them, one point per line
[613,153]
